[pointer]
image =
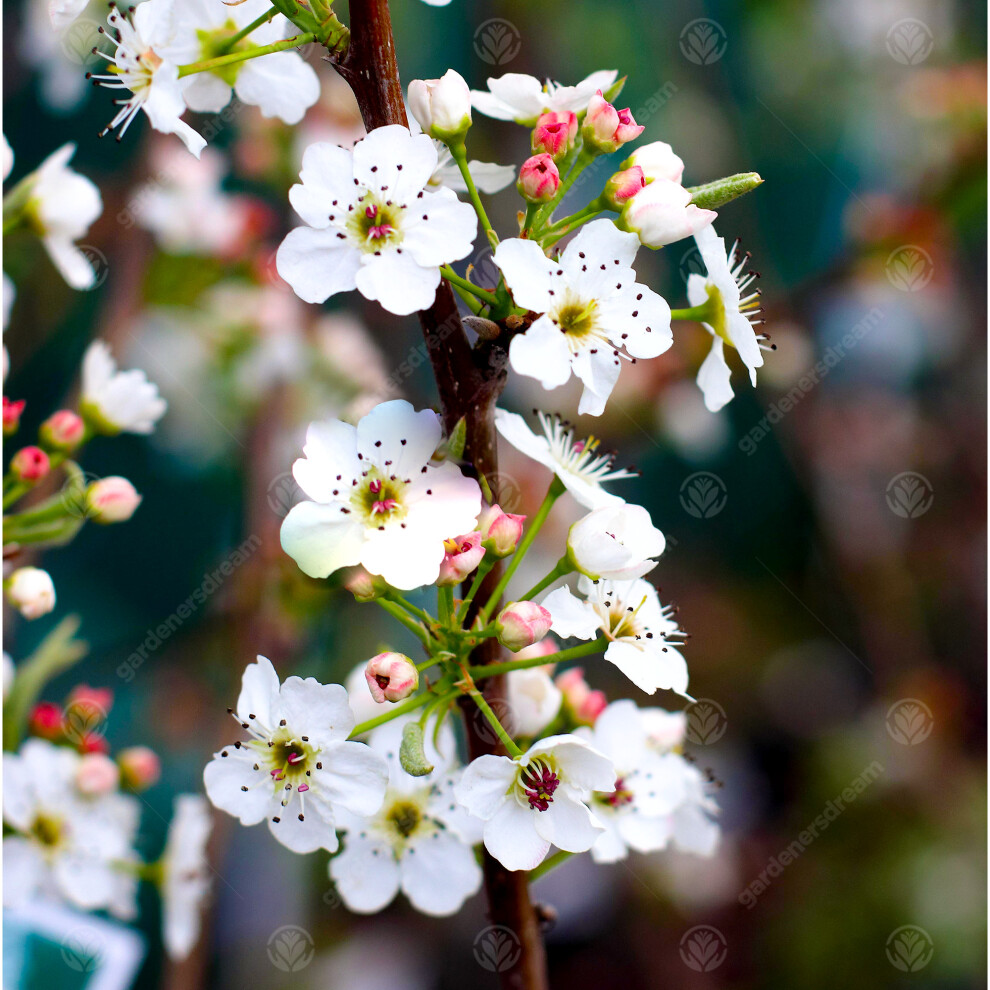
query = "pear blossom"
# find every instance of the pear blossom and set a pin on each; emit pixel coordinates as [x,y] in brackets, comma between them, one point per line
[117,401]
[533,700]
[606,129]
[640,631]
[537,799]
[555,133]
[420,840]
[372,224]
[153,81]
[516,96]
[298,768]
[583,704]
[61,842]
[593,311]
[693,824]
[62,205]
[657,161]
[378,500]
[522,624]
[662,213]
[185,880]
[622,186]
[575,462]
[461,558]
[63,431]
[140,767]
[12,410]
[649,787]
[500,531]
[616,542]
[111,500]
[31,591]
[733,312]
[538,182]
[487,177]
[280,84]
[30,465]
[442,107]
[391,677]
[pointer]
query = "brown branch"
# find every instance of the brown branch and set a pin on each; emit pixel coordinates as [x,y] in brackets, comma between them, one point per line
[469,382]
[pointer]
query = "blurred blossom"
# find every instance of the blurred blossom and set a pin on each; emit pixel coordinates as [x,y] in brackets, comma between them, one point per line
[695,433]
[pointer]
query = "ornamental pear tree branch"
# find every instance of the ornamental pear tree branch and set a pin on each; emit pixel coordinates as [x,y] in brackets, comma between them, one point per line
[469,382]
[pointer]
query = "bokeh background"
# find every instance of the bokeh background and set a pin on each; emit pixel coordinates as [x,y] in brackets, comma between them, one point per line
[834,585]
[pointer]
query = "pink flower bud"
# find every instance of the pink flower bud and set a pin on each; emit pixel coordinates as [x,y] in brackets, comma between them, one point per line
[111,500]
[500,531]
[539,179]
[93,742]
[555,133]
[461,558]
[97,774]
[46,721]
[96,700]
[365,587]
[605,128]
[30,464]
[31,591]
[139,767]
[12,415]
[391,677]
[623,185]
[543,648]
[521,624]
[584,704]
[63,431]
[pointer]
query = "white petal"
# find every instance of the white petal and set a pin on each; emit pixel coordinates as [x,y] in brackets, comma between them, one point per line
[205,93]
[489,177]
[224,777]
[397,282]
[650,668]
[365,874]
[259,697]
[637,319]
[542,353]
[317,263]
[571,616]
[281,85]
[330,460]
[320,539]
[582,766]
[484,785]
[439,873]
[714,377]
[599,372]
[392,160]
[511,837]
[568,824]
[319,711]
[601,242]
[70,261]
[406,437]
[86,881]
[644,833]
[353,776]
[528,272]
[327,174]
[23,871]
[439,228]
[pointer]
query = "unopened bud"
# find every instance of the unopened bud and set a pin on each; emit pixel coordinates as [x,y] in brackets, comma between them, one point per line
[111,500]
[139,767]
[97,774]
[63,431]
[391,677]
[31,591]
[555,133]
[623,186]
[521,624]
[461,558]
[12,415]
[46,721]
[539,179]
[605,129]
[365,587]
[584,704]
[441,106]
[500,531]
[30,465]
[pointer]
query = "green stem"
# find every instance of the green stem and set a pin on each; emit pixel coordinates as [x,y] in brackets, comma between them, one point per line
[532,209]
[581,162]
[473,303]
[479,699]
[582,216]
[553,493]
[494,669]
[696,313]
[445,604]
[211,64]
[549,863]
[462,283]
[253,26]
[459,153]
[479,576]
[15,492]
[562,568]
[397,612]
[419,613]
[409,705]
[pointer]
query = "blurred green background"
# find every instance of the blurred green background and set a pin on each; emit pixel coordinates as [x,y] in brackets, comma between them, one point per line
[822,600]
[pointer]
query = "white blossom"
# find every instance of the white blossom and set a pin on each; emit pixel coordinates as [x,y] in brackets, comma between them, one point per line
[516,96]
[378,500]
[533,699]
[31,591]
[117,401]
[185,874]
[373,224]
[420,840]
[593,312]
[640,631]
[616,542]
[536,800]
[298,768]
[575,462]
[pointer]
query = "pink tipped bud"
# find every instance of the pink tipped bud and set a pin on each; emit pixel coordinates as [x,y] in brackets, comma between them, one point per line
[391,677]
[97,774]
[555,133]
[139,768]
[539,179]
[365,587]
[91,699]
[521,624]
[500,531]
[30,464]
[111,500]
[583,704]
[12,415]
[46,721]
[605,129]
[63,431]
[623,186]
[31,591]
[461,558]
